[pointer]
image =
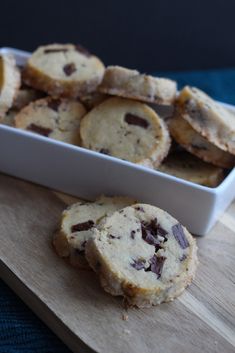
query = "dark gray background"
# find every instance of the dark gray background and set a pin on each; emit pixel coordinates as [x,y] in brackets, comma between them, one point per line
[149,35]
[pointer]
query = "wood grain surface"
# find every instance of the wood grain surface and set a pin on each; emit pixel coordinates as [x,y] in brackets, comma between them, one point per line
[87,319]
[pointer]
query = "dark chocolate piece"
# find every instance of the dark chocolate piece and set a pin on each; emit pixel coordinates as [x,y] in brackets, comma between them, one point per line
[39,129]
[156,264]
[183,257]
[132,119]
[82,226]
[69,69]
[133,234]
[113,236]
[138,264]
[150,232]
[82,50]
[139,209]
[179,235]
[55,50]
[54,104]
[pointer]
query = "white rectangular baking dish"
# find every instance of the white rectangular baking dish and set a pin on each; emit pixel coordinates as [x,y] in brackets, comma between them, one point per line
[86,174]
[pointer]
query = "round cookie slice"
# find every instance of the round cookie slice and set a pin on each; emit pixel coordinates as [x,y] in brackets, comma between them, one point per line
[126,129]
[63,70]
[119,81]
[143,254]
[198,145]
[55,118]
[9,82]
[77,224]
[184,165]
[207,117]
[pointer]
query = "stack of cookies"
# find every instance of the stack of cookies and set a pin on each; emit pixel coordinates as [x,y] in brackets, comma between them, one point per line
[138,251]
[66,93]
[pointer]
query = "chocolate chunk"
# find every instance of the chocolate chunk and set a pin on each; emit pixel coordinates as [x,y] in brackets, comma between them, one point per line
[150,232]
[82,50]
[82,226]
[39,129]
[105,151]
[183,257]
[156,264]
[80,251]
[114,237]
[132,119]
[55,50]
[138,264]
[69,69]
[139,209]
[133,234]
[179,235]
[54,104]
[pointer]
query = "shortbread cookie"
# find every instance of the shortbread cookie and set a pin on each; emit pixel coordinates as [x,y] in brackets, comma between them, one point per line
[55,118]
[24,96]
[126,129]
[9,82]
[9,117]
[126,83]
[77,224]
[143,254]
[93,99]
[207,117]
[198,145]
[65,70]
[186,166]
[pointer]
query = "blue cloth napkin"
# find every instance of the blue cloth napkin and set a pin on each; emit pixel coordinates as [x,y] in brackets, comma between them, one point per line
[20,329]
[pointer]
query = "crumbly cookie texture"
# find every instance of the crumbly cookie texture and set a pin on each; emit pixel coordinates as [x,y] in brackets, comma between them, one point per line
[143,254]
[186,166]
[24,96]
[93,99]
[9,82]
[65,70]
[55,118]
[198,145]
[126,129]
[77,224]
[127,83]
[207,117]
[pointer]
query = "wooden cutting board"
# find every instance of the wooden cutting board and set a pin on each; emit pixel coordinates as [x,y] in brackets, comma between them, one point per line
[87,319]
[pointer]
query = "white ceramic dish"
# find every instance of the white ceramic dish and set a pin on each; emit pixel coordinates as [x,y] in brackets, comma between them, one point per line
[86,174]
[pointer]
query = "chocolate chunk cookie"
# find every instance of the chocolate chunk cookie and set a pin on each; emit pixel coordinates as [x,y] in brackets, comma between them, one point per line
[186,166]
[77,224]
[63,70]
[9,82]
[119,81]
[198,145]
[126,129]
[55,118]
[207,117]
[143,254]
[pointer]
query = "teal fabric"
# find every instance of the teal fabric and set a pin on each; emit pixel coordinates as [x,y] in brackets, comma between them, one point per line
[20,329]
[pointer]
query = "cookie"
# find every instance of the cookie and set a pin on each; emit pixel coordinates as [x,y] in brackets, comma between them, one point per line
[9,117]
[126,83]
[93,99]
[55,118]
[207,117]
[186,166]
[143,254]
[77,224]
[9,82]
[198,145]
[24,96]
[126,129]
[64,70]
